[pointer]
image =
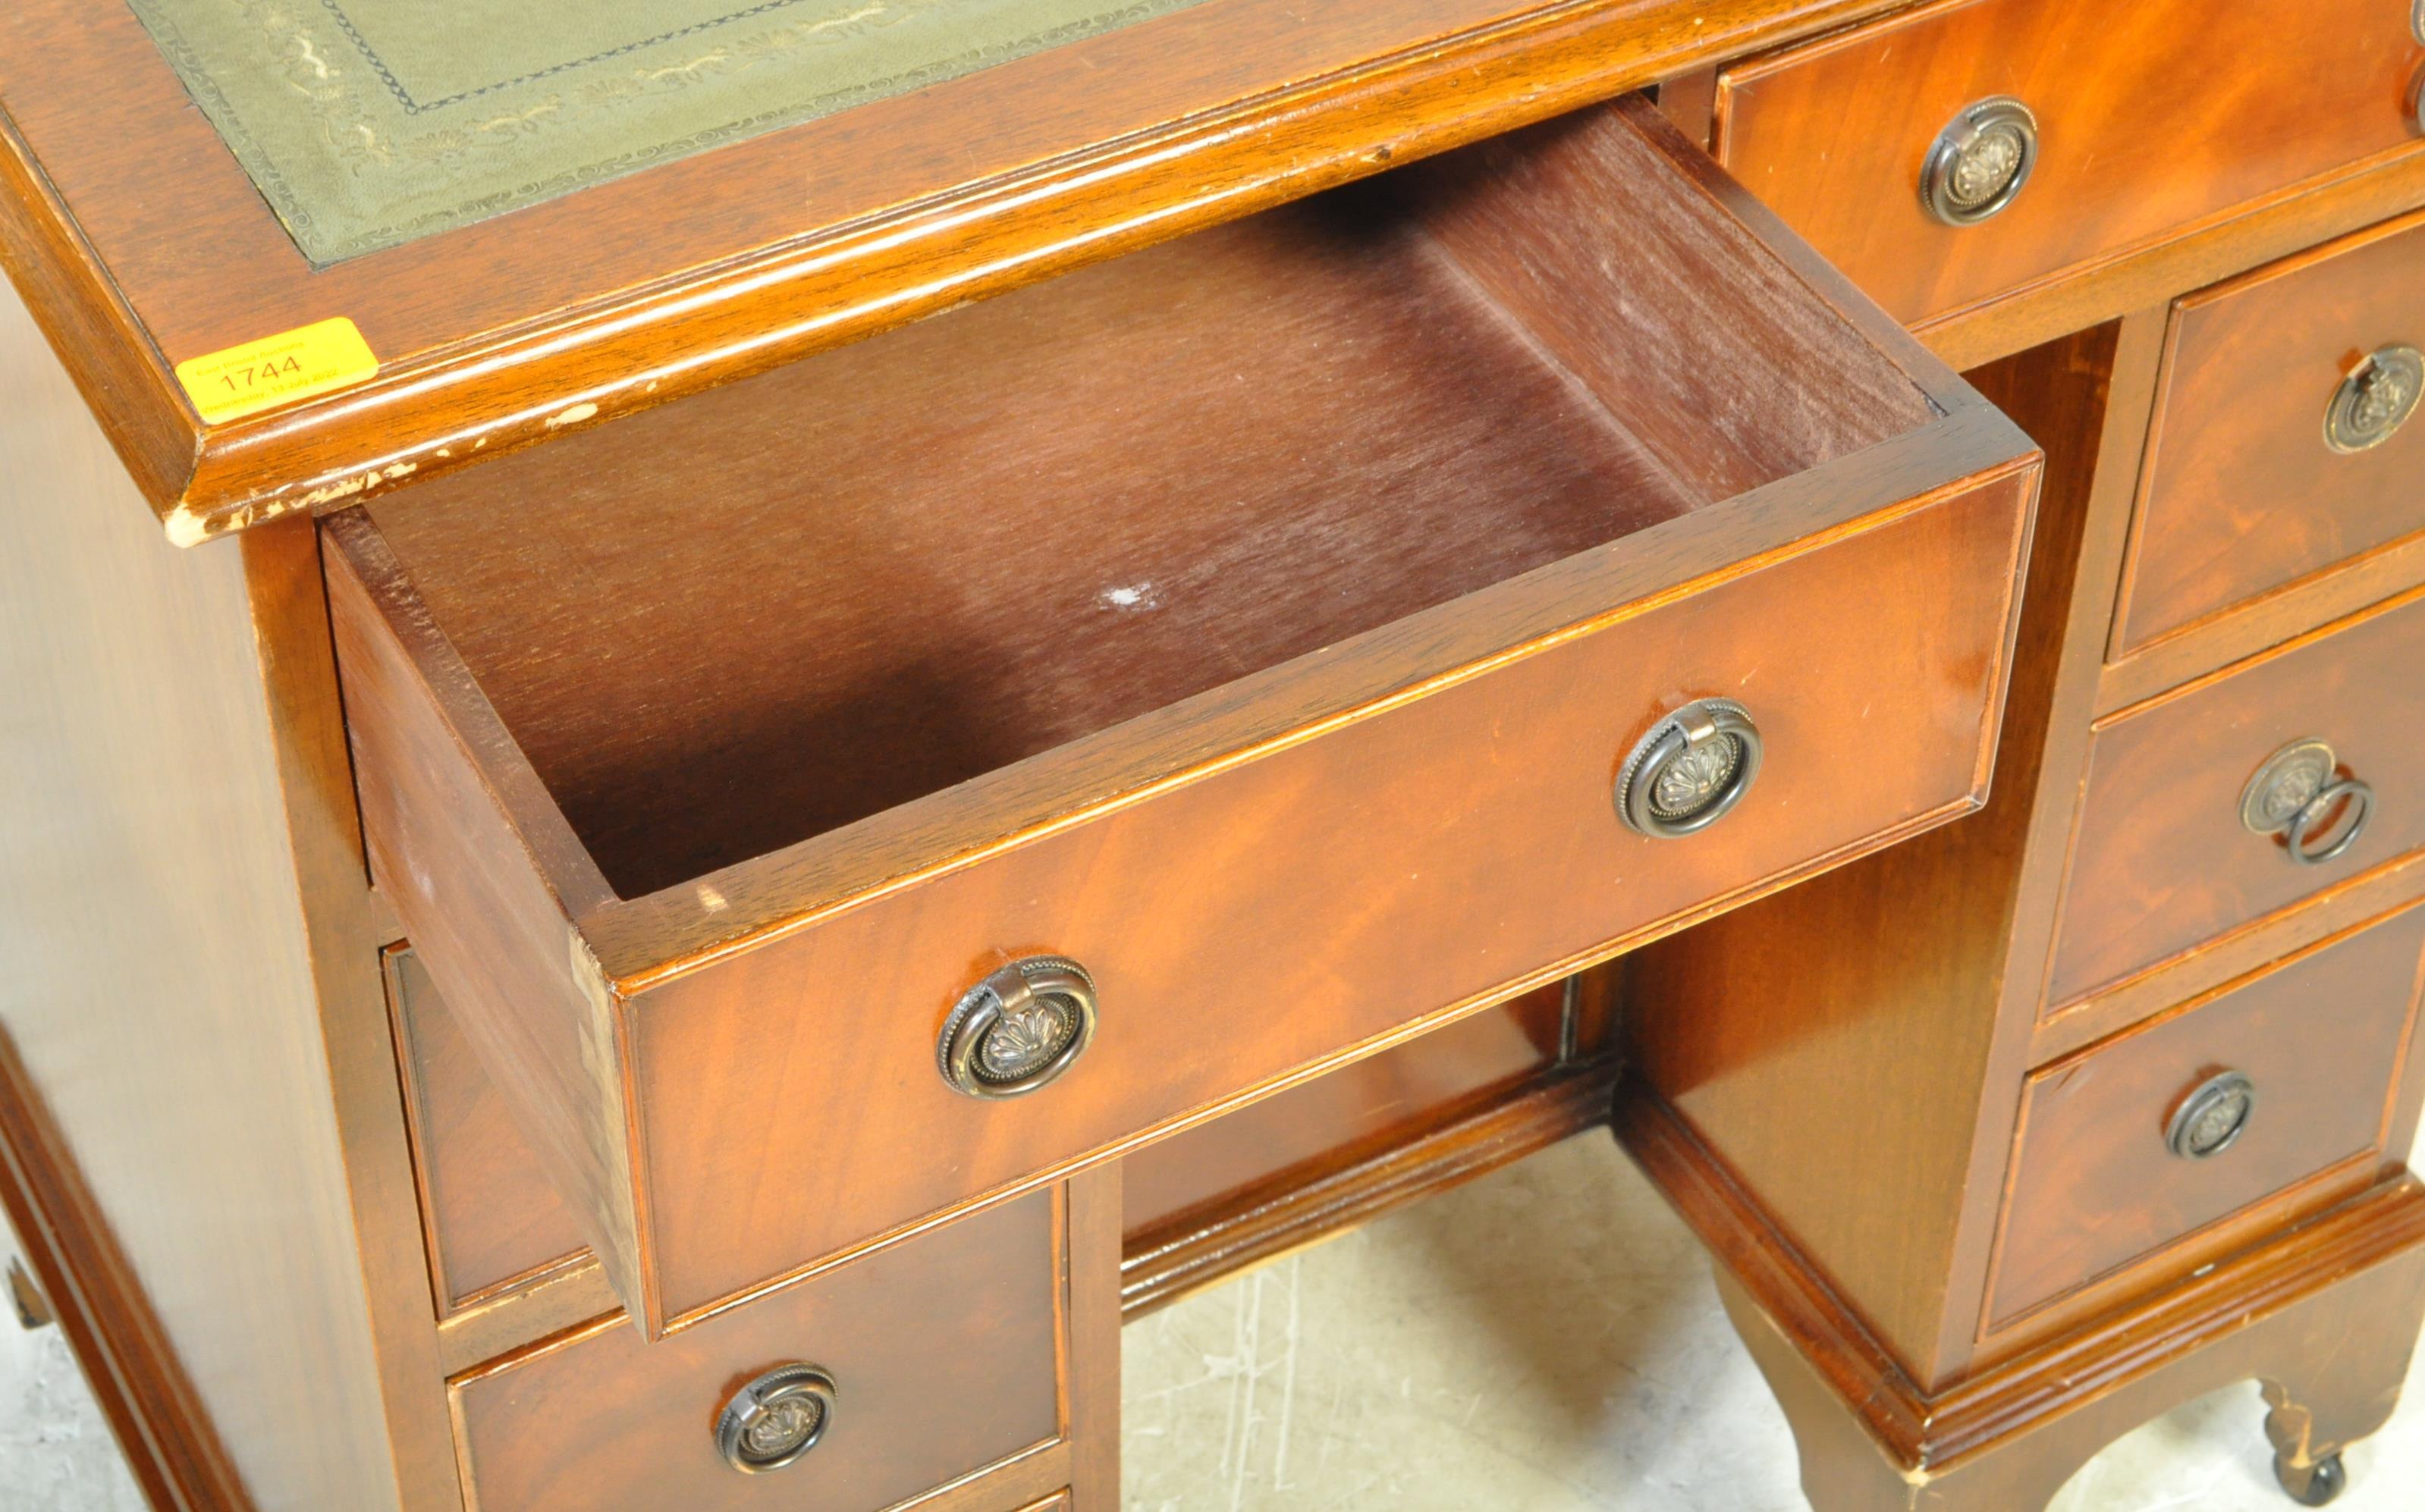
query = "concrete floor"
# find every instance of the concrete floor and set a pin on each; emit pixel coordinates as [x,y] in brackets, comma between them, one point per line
[1545,1339]
[55,1453]
[1548,1339]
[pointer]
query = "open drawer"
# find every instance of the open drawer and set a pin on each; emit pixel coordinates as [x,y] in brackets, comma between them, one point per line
[1262,622]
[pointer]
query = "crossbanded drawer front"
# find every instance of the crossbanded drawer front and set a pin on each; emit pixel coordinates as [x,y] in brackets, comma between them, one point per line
[2185,831]
[886,784]
[2267,1098]
[910,1368]
[2286,441]
[2136,122]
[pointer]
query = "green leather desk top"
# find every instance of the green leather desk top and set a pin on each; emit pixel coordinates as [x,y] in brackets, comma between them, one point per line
[370,122]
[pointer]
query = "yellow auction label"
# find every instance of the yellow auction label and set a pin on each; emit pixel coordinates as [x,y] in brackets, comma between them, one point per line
[278,369]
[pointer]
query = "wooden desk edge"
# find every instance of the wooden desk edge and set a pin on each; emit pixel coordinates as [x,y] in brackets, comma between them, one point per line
[496,390]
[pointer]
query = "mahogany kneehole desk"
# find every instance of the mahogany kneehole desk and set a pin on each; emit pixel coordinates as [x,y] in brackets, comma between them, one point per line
[774,822]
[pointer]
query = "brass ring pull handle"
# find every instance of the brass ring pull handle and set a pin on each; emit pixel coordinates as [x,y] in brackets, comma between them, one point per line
[2212,1117]
[1978,162]
[2375,400]
[1018,1029]
[2318,810]
[2297,792]
[1692,767]
[775,1418]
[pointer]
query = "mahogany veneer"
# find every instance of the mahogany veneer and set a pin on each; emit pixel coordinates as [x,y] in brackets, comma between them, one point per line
[944,1353]
[709,830]
[2325,1036]
[2242,495]
[2153,118]
[2165,783]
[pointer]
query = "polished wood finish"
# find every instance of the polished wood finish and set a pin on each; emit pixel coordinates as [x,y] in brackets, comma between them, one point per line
[945,1353]
[492,1219]
[1799,1102]
[194,984]
[2118,285]
[2153,119]
[1364,763]
[2333,910]
[1299,1205]
[601,303]
[1871,1437]
[710,1064]
[2242,498]
[1419,1118]
[1739,1021]
[1383,1098]
[89,1289]
[1090,1371]
[2324,1035]
[2164,781]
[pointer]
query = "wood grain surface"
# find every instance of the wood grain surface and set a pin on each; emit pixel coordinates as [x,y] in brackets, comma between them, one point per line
[2161,862]
[1464,750]
[2094,1188]
[1860,1093]
[711,268]
[1326,866]
[1381,1098]
[2242,498]
[2152,118]
[193,985]
[1031,520]
[944,1353]
[492,1219]
[2325,1314]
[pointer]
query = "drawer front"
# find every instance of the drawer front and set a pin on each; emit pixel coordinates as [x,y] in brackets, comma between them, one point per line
[2323,1041]
[2245,490]
[707,820]
[2151,117]
[942,1352]
[1278,914]
[2161,861]
[490,1216]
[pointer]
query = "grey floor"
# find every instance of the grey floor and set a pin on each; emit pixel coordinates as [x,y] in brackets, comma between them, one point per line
[55,1452]
[1548,1339]
[1543,1340]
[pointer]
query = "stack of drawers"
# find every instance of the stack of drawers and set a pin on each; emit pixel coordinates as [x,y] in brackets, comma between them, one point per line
[1196,673]
[2238,940]
[2115,1095]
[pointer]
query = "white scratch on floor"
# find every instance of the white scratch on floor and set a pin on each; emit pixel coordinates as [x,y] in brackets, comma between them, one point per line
[1288,1379]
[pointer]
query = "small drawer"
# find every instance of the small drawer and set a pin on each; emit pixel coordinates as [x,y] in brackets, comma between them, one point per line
[2184,833]
[940,1354]
[2282,1085]
[2141,121]
[1262,622]
[2287,438]
[491,1218]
